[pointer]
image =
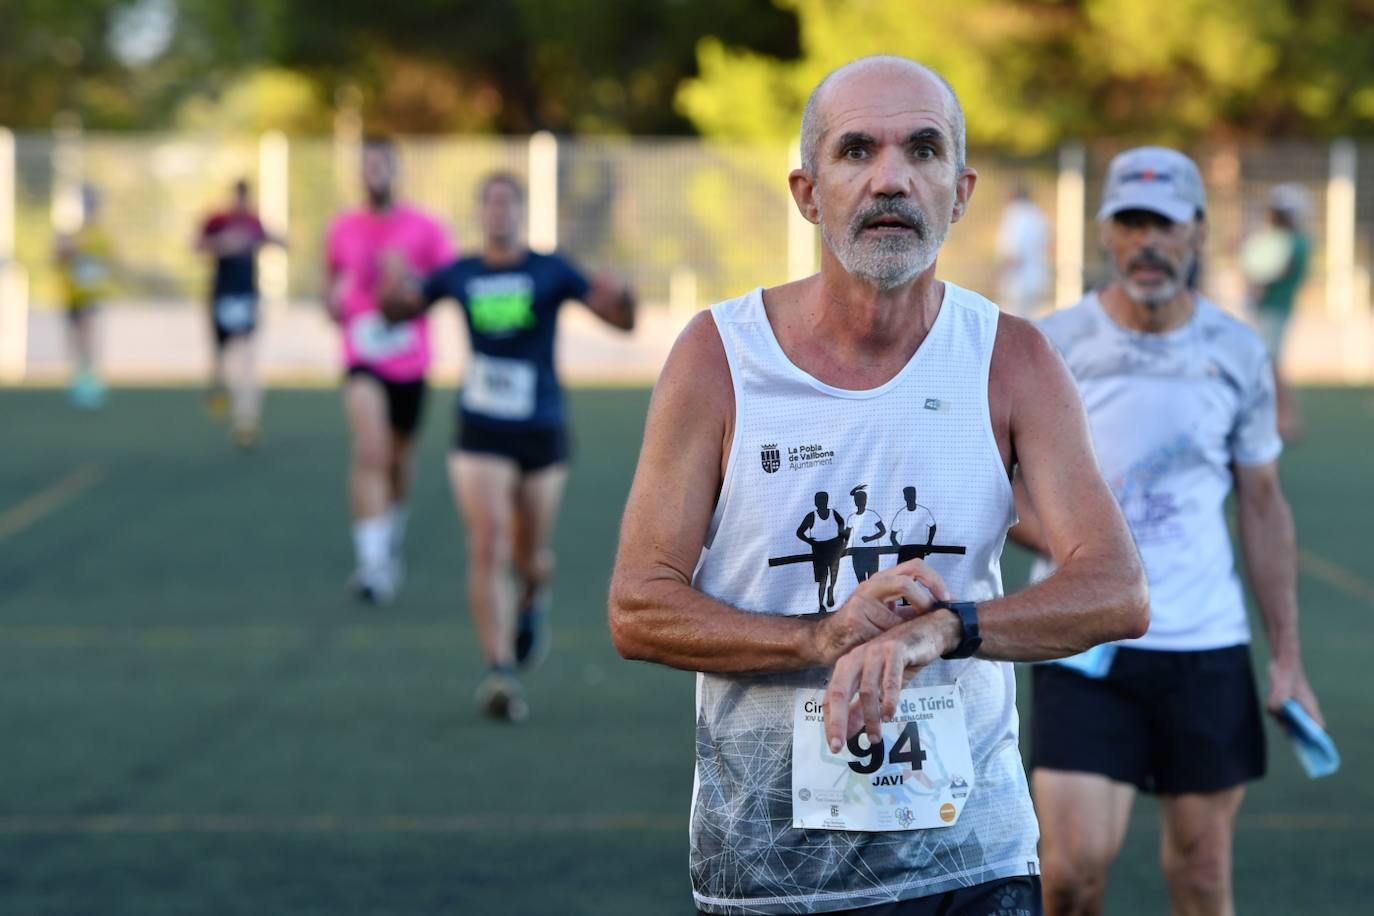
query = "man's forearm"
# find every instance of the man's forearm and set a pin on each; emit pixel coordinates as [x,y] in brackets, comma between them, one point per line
[1087,601]
[1269,543]
[670,623]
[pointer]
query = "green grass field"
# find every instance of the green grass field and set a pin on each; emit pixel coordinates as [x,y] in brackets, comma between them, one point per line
[196,719]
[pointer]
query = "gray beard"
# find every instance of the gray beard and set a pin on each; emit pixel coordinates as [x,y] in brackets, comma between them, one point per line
[887,262]
[1152,299]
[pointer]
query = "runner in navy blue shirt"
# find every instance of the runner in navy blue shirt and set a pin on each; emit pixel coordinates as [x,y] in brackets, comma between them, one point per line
[509,462]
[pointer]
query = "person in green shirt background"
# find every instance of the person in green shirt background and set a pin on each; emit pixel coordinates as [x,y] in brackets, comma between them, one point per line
[1274,262]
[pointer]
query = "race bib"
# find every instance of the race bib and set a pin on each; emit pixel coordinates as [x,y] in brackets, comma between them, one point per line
[917,777]
[374,338]
[501,388]
[235,313]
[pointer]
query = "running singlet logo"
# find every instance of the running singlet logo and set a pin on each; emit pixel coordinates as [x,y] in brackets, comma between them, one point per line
[501,304]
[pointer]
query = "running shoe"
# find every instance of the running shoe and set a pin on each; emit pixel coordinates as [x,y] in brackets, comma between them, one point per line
[532,635]
[500,697]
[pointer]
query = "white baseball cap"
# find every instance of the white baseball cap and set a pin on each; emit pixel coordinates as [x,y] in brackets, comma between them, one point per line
[1153,178]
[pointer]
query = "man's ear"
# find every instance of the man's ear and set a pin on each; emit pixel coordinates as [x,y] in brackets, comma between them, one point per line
[963,191]
[804,193]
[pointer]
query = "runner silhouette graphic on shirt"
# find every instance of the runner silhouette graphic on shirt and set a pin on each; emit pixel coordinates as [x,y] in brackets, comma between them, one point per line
[912,523]
[864,527]
[824,530]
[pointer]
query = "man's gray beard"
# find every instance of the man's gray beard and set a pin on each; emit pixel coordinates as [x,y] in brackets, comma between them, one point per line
[887,262]
[1151,299]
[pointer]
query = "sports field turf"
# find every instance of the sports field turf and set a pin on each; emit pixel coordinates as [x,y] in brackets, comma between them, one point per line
[196,720]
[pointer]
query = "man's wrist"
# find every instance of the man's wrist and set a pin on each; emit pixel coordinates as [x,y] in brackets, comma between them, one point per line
[963,621]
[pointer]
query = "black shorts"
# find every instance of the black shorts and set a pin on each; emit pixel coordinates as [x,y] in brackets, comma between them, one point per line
[404,400]
[233,316]
[1004,895]
[1165,722]
[531,449]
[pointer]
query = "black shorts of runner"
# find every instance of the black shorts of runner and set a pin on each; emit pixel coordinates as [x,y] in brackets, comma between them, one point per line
[825,559]
[1018,895]
[404,400]
[1165,722]
[233,316]
[531,449]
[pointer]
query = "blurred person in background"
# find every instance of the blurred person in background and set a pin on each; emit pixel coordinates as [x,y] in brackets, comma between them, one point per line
[1274,262]
[1023,255]
[1180,399]
[384,362]
[510,454]
[232,238]
[84,265]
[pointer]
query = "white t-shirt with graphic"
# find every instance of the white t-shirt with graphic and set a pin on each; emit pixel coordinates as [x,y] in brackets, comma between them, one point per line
[864,525]
[912,526]
[1170,414]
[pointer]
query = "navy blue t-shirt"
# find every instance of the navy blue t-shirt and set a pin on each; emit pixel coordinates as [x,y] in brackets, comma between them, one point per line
[512,317]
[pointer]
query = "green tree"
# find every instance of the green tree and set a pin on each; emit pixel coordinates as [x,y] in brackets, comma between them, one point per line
[1031,73]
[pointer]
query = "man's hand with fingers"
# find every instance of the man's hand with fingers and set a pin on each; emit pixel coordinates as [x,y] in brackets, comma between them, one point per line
[889,598]
[868,679]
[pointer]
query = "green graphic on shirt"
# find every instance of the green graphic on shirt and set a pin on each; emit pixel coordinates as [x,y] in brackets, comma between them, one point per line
[502,312]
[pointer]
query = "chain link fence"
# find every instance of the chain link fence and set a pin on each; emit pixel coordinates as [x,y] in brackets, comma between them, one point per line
[688,221]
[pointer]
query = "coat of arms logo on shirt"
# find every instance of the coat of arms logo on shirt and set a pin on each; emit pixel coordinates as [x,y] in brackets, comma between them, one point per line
[771,458]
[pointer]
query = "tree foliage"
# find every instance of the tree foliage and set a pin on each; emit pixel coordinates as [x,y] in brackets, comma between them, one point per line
[1031,73]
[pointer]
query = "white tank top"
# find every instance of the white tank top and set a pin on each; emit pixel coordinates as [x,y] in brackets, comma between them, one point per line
[799,443]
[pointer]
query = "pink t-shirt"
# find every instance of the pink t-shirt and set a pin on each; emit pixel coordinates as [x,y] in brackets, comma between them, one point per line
[357,240]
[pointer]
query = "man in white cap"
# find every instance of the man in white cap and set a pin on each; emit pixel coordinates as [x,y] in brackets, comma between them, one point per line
[1180,398]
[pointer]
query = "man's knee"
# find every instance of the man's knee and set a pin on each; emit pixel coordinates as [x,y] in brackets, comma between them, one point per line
[535,564]
[371,454]
[1199,871]
[490,543]
[1075,882]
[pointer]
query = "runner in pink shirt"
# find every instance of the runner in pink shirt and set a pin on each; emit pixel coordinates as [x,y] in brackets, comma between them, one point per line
[385,362]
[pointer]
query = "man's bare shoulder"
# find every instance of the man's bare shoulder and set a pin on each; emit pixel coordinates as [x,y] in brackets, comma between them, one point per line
[1021,353]
[696,376]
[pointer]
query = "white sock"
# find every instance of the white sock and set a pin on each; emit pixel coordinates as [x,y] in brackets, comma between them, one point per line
[371,542]
[396,516]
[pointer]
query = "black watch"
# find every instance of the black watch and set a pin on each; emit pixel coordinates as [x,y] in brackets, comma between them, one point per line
[968,616]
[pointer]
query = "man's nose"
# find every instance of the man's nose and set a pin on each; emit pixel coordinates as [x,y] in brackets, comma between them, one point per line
[891,174]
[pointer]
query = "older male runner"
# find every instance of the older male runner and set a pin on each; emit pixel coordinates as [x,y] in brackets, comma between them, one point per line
[912,800]
[1180,399]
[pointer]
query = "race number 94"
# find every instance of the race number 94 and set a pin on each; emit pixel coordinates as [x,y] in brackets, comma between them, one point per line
[906,749]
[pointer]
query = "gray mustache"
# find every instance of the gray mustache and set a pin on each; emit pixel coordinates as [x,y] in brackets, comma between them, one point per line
[1146,259]
[906,212]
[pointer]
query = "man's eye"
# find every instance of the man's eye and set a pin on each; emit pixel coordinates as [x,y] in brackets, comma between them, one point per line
[924,152]
[854,152]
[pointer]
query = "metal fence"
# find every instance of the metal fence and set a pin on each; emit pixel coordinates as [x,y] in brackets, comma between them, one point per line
[688,221]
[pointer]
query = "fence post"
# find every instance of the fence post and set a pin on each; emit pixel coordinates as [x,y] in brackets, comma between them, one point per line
[1069,202]
[274,206]
[1340,229]
[67,172]
[14,299]
[543,208]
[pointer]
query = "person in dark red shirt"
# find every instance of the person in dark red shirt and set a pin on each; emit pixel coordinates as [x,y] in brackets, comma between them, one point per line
[232,237]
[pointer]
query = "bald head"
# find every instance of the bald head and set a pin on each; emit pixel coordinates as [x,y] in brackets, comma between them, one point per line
[815,117]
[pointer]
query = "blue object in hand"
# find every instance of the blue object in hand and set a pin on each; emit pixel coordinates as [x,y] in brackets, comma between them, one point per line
[1316,751]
